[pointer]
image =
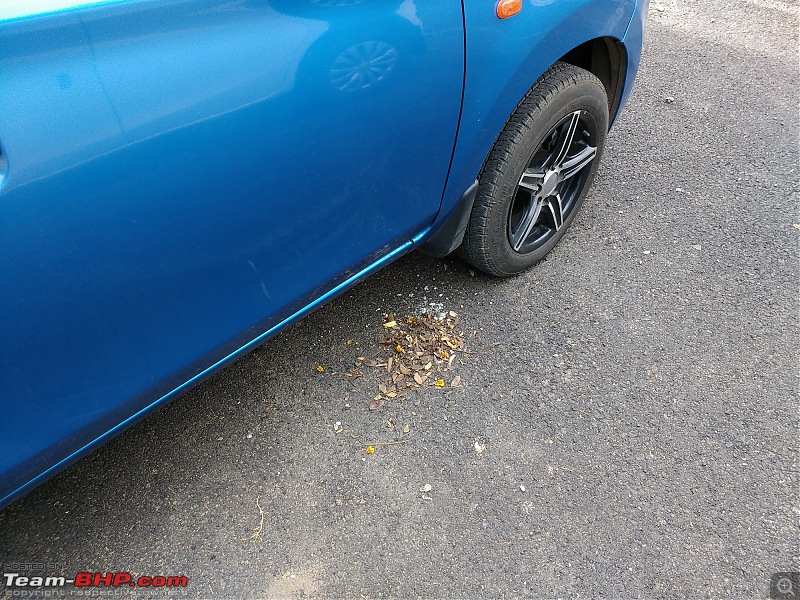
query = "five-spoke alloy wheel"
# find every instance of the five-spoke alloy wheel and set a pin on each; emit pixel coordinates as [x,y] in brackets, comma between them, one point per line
[538,172]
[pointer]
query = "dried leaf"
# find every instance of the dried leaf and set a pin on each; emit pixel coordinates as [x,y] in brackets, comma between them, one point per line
[406,428]
[424,342]
[377,403]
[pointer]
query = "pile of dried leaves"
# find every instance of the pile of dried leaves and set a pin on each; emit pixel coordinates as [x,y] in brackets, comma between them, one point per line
[417,351]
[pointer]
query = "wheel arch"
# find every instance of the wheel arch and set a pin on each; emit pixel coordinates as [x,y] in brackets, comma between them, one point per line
[607,59]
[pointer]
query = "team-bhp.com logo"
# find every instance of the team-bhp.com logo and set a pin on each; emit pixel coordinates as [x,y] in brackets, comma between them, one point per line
[95,580]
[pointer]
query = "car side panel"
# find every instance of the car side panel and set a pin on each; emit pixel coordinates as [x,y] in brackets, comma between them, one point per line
[185,174]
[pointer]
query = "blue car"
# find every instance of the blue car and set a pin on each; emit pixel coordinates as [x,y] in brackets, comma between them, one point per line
[181,179]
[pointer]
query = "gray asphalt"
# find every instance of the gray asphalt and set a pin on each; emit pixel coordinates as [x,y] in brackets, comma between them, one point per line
[641,385]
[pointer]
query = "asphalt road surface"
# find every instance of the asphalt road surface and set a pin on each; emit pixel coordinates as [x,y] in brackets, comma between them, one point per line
[634,398]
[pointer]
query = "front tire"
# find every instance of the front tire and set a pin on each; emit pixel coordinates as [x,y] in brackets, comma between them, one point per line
[538,172]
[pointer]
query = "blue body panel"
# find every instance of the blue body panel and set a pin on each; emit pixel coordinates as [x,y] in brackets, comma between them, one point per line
[182,178]
[184,175]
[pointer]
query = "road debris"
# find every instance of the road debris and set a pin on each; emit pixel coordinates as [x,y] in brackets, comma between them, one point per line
[416,351]
[258,529]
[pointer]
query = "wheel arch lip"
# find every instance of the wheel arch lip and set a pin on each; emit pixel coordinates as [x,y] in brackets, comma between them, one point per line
[633,41]
[497,81]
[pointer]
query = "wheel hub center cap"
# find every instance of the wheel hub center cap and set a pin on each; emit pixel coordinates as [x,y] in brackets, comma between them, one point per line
[549,183]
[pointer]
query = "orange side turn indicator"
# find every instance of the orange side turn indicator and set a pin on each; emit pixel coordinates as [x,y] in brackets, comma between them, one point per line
[508,8]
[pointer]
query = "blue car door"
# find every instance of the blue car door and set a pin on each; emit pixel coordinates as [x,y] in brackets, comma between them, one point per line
[178,176]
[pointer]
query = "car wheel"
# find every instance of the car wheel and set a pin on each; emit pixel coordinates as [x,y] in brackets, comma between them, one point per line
[538,172]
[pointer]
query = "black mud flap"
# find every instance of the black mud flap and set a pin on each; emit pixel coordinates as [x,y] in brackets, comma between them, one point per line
[450,235]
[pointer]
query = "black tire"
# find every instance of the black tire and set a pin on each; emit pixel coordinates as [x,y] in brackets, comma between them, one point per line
[504,216]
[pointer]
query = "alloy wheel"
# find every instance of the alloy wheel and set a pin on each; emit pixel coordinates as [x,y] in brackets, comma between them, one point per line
[552,182]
